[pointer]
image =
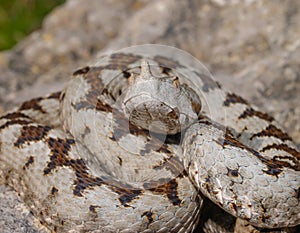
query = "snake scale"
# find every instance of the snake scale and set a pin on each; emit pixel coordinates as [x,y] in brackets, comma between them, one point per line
[134,139]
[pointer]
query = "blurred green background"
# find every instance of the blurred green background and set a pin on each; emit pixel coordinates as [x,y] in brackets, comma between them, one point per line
[20,17]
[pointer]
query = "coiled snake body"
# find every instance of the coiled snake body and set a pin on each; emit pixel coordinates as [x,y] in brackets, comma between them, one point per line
[131,141]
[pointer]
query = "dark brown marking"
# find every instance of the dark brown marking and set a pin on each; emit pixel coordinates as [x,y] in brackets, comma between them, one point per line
[33,104]
[93,208]
[105,91]
[155,144]
[121,61]
[124,58]
[232,98]
[60,149]
[196,107]
[204,120]
[283,147]
[208,186]
[167,62]
[58,156]
[272,131]
[164,149]
[116,66]
[84,180]
[209,83]
[81,71]
[273,171]
[55,95]
[96,89]
[30,160]
[100,106]
[298,193]
[123,127]
[176,82]
[193,97]
[172,164]
[62,96]
[15,122]
[234,206]
[83,105]
[273,167]
[120,161]
[243,130]
[32,133]
[14,115]
[165,186]
[126,74]
[295,164]
[14,119]
[263,217]
[41,213]
[126,194]
[250,112]
[148,215]
[232,172]
[54,191]
[174,114]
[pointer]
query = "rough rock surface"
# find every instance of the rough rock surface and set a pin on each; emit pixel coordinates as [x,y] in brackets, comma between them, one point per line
[252,47]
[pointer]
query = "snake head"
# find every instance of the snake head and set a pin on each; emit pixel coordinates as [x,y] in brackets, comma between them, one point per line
[160,104]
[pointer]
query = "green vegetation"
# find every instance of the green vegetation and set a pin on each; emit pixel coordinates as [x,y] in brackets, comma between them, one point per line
[20,17]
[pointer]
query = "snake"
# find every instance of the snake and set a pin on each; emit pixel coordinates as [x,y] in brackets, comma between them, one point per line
[138,139]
